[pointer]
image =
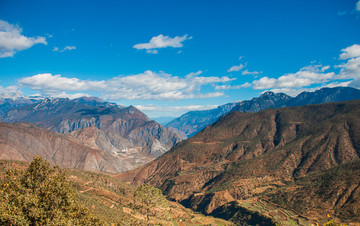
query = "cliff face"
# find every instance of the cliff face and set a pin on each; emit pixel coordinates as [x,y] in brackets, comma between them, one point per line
[117,128]
[22,141]
[247,155]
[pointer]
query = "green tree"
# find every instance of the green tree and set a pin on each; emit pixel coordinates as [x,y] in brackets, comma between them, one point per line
[151,202]
[40,195]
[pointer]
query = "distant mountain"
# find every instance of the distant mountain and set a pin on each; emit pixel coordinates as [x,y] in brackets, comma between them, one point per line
[252,160]
[163,120]
[325,95]
[121,131]
[7,103]
[194,121]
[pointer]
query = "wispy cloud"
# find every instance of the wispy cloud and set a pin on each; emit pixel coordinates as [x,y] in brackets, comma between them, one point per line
[12,41]
[236,68]
[246,72]
[56,49]
[358,6]
[162,41]
[144,86]
[175,108]
[226,87]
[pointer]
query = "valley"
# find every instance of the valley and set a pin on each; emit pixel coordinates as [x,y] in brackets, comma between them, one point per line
[287,165]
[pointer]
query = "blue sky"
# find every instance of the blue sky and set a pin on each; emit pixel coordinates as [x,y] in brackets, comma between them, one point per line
[169,57]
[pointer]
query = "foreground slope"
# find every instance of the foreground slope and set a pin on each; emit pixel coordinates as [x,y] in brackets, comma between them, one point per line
[113,202]
[250,155]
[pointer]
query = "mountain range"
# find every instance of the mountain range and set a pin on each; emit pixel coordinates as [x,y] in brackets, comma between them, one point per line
[299,160]
[7,103]
[192,122]
[125,133]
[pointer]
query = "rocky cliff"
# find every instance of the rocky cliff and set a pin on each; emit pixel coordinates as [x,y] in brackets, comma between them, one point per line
[22,141]
[115,128]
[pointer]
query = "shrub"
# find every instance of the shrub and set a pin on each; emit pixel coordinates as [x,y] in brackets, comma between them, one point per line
[40,195]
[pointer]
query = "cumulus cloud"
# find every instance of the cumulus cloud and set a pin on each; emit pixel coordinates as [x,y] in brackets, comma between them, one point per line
[10,92]
[12,41]
[144,86]
[161,86]
[313,74]
[350,52]
[236,68]
[316,75]
[49,83]
[56,49]
[351,68]
[162,41]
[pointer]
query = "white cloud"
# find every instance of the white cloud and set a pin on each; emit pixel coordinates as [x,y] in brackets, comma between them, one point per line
[350,69]
[171,111]
[12,41]
[70,96]
[161,86]
[175,108]
[350,52]
[307,76]
[56,49]
[246,72]
[236,68]
[293,91]
[144,86]
[10,92]
[162,41]
[49,83]
[358,6]
[152,51]
[226,87]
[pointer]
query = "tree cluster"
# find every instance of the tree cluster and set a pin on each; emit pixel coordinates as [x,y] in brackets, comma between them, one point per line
[41,195]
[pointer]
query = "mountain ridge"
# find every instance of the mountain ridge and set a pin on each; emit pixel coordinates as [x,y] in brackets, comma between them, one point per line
[192,122]
[123,127]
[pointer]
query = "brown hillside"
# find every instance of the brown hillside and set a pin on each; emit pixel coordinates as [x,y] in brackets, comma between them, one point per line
[247,155]
[22,141]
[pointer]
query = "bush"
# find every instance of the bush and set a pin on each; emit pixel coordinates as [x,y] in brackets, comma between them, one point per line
[40,195]
[151,202]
